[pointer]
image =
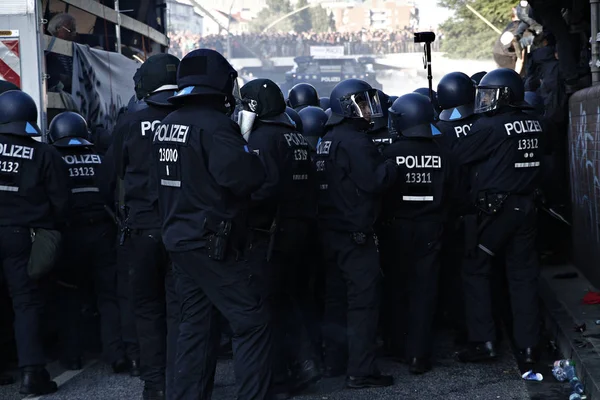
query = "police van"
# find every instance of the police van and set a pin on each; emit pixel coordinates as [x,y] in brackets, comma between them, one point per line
[327,66]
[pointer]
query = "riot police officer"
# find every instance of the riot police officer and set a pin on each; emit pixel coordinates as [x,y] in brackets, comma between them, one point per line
[206,174]
[34,193]
[414,211]
[313,125]
[456,95]
[88,256]
[505,151]
[324,103]
[280,220]
[303,95]
[352,177]
[380,132]
[150,278]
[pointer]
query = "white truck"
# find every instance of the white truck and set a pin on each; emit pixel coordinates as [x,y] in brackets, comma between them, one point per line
[23,44]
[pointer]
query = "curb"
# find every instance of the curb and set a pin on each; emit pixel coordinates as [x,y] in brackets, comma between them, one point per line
[562,310]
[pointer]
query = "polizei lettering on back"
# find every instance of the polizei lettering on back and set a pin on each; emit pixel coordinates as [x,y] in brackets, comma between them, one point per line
[462,130]
[520,127]
[148,126]
[295,139]
[323,147]
[16,151]
[172,133]
[83,159]
[420,161]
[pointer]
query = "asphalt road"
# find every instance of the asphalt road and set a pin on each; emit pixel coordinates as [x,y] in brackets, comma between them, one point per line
[449,380]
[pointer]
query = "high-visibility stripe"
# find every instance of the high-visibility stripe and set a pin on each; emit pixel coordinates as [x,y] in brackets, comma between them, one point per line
[10,62]
[527,164]
[5,188]
[167,182]
[85,190]
[417,198]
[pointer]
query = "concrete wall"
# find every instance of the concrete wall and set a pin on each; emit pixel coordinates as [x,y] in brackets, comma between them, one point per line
[584,165]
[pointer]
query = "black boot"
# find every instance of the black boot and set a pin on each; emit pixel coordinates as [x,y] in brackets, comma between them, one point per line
[372,381]
[120,366]
[530,355]
[478,353]
[134,368]
[153,394]
[305,374]
[419,365]
[6,380]
[36,380]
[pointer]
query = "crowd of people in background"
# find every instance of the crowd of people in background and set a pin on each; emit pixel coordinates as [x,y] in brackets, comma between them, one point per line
[297,44]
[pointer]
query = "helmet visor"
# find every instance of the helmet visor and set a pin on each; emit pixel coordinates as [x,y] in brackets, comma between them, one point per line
[366,105]
[491,98]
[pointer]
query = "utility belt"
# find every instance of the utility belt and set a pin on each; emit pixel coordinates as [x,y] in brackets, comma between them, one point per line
[84,222]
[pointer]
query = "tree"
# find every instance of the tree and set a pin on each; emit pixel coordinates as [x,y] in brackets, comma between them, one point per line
[303,21]
[320,19]
[331,22]
[465,35]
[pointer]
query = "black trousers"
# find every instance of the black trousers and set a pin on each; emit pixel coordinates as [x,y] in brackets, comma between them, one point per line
[89,262]
[237,291]
[128,330]
[513,233]
[355,298]
[414,282]
[27,299]
[151,285]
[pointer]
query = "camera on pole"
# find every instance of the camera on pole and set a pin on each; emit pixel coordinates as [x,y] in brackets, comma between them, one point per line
[427,38]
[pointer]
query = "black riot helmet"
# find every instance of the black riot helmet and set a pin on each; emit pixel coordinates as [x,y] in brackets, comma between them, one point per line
[354,99]
[411,115]
[295,118]
[313,124]
[18,114]
[380,123]
[158,73]
[303,95]
[456,96]
[434,101]
[476,78]
[205,72]
[324,103]
[5,86]
[68,129]
[263,97]
[536,101]
[500,88]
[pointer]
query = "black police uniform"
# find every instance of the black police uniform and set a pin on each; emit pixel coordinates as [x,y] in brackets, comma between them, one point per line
[281,217]
[313,126]
[414,212]
[109,183]
[34,194]
[206,174]
[456,94]
[505,152]
[150,276]
[380,132]
[88,256]
[352,175]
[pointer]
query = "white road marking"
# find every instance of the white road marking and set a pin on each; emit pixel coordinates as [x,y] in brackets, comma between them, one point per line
[63,378]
